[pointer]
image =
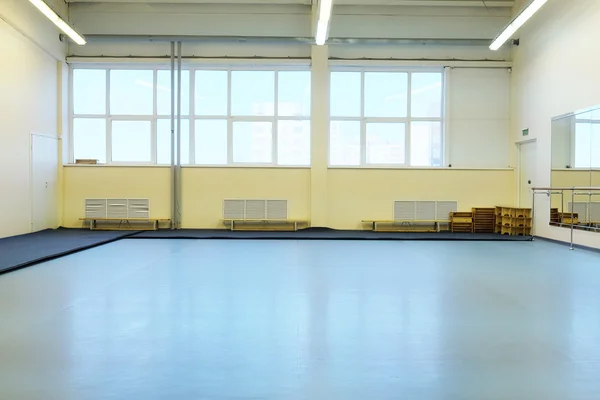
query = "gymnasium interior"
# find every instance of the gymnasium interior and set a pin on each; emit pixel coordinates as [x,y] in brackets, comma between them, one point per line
[299,199]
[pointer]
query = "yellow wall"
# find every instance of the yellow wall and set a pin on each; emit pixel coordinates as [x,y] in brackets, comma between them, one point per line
[81,182]
[568,178]
[596,178]
[352,194]
[205,188]
[356,194]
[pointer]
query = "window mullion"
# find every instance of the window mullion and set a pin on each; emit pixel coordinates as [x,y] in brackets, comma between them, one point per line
[363,123]
[191,118]
[407,127]
[275,124]
[229,121]
[108,121]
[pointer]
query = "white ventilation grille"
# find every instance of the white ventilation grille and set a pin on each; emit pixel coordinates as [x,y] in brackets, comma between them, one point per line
[138,208]
[425,211]
[234,209]
[95,208]
[588,213]
[444,208]
[594,213]
[405,210]
[581,209]
[255,209]
[117,208]
[277,209]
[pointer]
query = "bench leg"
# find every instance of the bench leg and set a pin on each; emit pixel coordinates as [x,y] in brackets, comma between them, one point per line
[91,225]
[232,223]
[295,225]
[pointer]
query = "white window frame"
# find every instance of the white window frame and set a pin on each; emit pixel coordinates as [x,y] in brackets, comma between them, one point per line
[192,117]
[407,121]
[230,118]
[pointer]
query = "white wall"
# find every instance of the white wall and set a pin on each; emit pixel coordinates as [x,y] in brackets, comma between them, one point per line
[28,103]
[287,21]
[555,72]
[478,109]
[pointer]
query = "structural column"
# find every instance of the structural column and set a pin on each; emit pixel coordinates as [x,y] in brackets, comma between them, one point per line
[319,136]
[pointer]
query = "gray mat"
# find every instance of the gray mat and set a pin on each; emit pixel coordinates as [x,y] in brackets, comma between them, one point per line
[320,234]
[23,250]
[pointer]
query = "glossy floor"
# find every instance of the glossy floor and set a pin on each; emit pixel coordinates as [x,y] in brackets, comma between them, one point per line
[187,319]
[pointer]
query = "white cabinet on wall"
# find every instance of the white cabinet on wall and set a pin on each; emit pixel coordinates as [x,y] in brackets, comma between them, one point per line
[478,117]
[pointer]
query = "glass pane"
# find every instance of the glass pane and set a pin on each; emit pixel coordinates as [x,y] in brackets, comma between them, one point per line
[252,142]
[426,95]
[89,139]
[344,143]
[131,92]
[163,92]
[595,143]
[252,93]
[386,94]
[163,141]
[89,91]
[583,139]
[293,143]
[426,144]
[131,141]
[211,93]
[294,94]
[211,141]
[386,143]
[345,94]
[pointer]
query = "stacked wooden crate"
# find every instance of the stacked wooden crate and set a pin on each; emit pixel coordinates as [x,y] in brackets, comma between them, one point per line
[483,220]
[461,222]
[554,216]
[566,218]
[513,221]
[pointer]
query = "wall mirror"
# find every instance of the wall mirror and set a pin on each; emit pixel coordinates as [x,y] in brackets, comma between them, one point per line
[576,163]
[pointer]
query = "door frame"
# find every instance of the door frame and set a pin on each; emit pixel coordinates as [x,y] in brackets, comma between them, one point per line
[31,194]
[519,165]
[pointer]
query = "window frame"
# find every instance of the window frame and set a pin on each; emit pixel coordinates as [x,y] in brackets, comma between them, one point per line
[407,121]
[192,117]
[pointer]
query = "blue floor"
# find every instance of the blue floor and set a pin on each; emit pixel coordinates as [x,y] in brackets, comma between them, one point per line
[187,319]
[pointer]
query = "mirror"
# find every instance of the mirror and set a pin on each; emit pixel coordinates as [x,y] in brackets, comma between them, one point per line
[576,162]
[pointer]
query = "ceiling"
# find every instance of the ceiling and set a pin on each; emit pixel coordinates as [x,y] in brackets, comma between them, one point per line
[419,3]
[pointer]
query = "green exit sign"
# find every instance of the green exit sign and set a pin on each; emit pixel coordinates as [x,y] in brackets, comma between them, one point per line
[525,132]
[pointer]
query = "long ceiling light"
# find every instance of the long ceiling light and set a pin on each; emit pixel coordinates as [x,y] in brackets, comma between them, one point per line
[58,21]
[325,7]
[516,23]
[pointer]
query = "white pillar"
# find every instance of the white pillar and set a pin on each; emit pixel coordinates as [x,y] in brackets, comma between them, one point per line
[319,136]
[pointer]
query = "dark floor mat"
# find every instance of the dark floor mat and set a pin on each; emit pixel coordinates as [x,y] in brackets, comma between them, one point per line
[23,250]
[320,234]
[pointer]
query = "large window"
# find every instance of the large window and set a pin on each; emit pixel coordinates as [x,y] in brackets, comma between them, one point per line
[386,118]
[228,116]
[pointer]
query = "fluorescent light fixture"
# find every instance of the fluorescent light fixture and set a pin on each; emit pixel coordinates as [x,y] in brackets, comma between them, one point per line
[325,7]
[518,22]
[58,21]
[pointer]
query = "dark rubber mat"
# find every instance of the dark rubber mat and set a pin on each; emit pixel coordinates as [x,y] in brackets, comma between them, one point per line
[23,250]
[320,234]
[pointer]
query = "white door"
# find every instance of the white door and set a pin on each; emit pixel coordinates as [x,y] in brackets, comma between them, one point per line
[44,182]
[527,173]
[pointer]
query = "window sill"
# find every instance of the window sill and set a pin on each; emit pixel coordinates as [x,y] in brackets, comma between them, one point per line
[404,168]
[245,166]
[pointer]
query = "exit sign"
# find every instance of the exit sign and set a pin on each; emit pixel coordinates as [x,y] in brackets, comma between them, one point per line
[525,132]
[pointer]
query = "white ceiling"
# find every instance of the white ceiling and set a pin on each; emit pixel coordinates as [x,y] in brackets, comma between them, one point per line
[430,3]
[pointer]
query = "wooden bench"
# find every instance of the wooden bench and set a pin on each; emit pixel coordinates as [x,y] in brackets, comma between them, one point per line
[261,224]
[403,225]
[93,223]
